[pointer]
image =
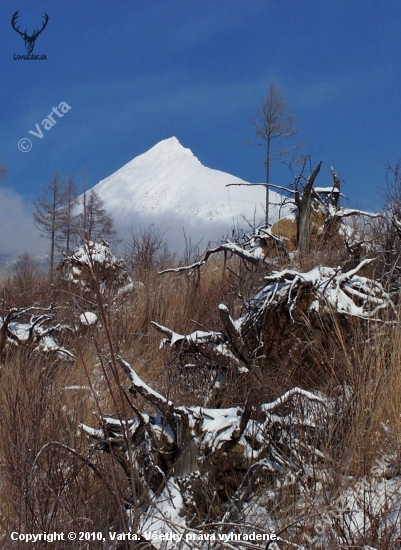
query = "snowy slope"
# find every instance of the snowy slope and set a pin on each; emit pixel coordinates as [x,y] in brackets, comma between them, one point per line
[169,187]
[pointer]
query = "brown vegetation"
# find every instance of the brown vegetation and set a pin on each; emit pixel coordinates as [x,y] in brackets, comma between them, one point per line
[53,477]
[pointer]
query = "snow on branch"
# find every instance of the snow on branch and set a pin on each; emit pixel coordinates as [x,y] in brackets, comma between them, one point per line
[228,246]
[95,261]
[209,451]
[346,212]
[397,225]
[32,327]
[208,344]
[328,290]
[268,317]
[143,389]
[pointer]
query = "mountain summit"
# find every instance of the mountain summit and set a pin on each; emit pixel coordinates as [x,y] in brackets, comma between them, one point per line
[169,187]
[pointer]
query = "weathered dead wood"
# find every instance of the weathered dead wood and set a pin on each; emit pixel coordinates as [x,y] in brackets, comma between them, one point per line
[238,345]
[211,345]
[277,316]
[215,447]
[397,225]
[94,262]
[4,332]
[304,207]
[225,247]
[161,403]
[337,188]
[243,422]
[347,212]
[35,333]
[166,331]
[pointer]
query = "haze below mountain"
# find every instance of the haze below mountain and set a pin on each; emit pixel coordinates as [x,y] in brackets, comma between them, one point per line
[168,186]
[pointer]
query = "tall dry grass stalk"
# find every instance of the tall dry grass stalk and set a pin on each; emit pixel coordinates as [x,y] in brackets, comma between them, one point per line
[50,480]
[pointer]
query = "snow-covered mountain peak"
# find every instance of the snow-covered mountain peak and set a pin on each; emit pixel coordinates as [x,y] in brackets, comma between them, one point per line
[164,155]
[167,148]
[168,186]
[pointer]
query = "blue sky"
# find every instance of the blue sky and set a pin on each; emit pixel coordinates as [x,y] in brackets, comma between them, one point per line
[138,71]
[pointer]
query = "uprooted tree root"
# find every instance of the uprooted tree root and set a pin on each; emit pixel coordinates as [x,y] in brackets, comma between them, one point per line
[201,465]
[191,468]
[281,417]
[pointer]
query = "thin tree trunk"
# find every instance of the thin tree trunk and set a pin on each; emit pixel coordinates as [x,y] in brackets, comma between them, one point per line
[68,239]
[53,240]
[85,213]
[52,254]
[267,182]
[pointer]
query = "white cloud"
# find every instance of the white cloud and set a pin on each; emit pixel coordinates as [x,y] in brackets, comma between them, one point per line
[18,233]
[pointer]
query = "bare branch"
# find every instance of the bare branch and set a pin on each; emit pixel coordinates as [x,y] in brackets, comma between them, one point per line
[346,212]
[228,246]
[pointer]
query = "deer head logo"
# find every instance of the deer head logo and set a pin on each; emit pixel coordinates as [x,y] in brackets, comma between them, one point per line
[29,40]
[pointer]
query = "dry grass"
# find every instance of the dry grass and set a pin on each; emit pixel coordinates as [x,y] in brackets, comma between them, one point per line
[50,480]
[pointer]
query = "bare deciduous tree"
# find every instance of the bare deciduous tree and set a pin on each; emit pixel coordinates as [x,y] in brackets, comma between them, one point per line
[392,194]
[95,223]
[68,220]
[144,250]
[274,119]
[48,217]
